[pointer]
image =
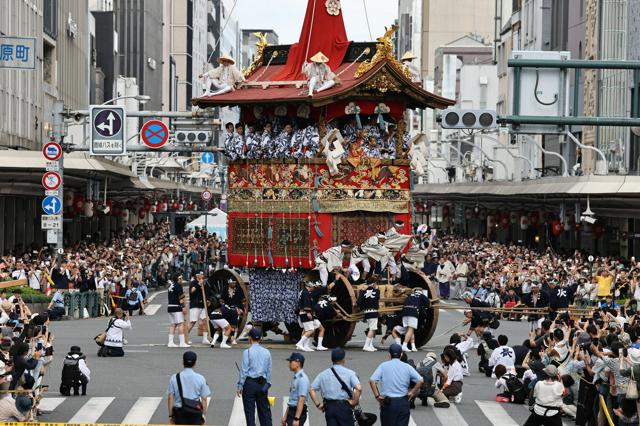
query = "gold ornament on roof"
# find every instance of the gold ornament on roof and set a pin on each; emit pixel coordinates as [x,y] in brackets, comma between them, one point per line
[384,50]
[333,7]
[257,61]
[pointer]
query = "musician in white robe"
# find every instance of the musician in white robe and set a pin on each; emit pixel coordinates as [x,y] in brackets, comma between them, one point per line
[319,75]
[333,150]
[331,259]
[418,154]
[407,64]
[224,78]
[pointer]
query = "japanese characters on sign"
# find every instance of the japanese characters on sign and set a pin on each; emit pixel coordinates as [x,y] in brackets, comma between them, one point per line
[18,52]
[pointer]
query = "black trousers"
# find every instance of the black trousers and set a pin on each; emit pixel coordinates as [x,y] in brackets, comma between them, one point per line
[255,396]
[291,414]
[537,420]
[338,413]
[396,413]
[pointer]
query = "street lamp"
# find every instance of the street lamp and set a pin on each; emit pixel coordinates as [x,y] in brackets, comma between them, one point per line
[142,99]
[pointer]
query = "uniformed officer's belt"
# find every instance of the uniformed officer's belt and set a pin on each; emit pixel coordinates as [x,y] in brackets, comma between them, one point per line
[328,401]
[261,380]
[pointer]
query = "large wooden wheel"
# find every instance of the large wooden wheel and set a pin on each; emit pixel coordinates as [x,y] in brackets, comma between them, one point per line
[219,279]
[338,333]
[428,320]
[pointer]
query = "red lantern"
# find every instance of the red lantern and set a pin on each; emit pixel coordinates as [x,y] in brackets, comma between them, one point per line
[142,213]
[162,207]
[534,219]
[504,221]
[175,205]
[556,228]
[78,204]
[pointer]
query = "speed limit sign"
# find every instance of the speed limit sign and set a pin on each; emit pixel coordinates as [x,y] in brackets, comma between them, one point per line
[206,195]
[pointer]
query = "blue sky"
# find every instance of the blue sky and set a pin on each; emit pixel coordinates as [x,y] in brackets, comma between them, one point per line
[286,16]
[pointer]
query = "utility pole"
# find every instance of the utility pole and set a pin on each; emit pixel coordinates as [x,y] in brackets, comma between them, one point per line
[59,132]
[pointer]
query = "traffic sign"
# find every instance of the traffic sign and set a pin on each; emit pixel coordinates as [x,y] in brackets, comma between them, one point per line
[108,133]
[51,181]
[51,205]
[52,236]
[51,221]
[52,151]
[206,195]
[154,134]
[51,166]
[54,193]
[206,158]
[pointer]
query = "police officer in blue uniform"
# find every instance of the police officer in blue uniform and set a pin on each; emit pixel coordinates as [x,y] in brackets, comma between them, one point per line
[187,385]
[336,402]
[390,384]
[296,413]
[134,299]
[255,380]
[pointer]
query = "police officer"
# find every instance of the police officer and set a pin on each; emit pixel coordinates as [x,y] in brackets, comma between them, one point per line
[187,385]
[337,403]
[255,380]
[296,413]
[134,299]
[390,384]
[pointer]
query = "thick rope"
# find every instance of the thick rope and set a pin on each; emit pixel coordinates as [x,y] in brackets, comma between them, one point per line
[313,16]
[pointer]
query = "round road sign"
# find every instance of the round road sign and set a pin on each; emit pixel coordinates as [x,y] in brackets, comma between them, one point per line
[52,151]
[51,181]
[154,134]
[206,195]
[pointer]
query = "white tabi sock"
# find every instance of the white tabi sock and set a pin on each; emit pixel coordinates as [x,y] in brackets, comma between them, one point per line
[320,341]
[170,338]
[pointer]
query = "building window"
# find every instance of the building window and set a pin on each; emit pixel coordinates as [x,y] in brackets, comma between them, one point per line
[50,18]
[48,63]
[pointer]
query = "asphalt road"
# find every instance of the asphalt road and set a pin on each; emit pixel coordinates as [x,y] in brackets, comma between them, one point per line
[133,389]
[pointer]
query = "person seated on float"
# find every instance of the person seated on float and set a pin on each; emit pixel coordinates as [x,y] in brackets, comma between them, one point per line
[224,78]
[319,75]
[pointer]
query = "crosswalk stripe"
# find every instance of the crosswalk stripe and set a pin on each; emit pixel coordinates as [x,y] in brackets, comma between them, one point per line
[142,411]
[92,410]
[50,404]
[450,416]
[496,414]
[412,422]
[285,402]
[151,309]
[237,413]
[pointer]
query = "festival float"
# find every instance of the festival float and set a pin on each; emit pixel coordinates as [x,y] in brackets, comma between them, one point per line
[284,212]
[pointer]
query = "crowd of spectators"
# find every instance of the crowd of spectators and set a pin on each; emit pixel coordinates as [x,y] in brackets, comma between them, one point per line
[573,361]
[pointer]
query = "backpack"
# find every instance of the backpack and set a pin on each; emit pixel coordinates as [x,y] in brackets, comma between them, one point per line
[516,389]
[133,296]
[426,371]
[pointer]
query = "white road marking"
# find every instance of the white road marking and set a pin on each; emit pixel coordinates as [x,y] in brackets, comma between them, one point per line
[285,402]
[154,295]
[92,410]
[496,414]
[142,411]
[151,309]
[450,416]
[412,422]
[237,413]
[50,404]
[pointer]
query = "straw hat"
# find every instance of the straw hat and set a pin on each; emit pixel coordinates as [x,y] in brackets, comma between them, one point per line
[408,56]
[226,58]
[319,58]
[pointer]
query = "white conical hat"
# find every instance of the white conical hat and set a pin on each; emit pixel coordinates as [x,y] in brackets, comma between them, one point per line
[320,57]
[408,56]
[225,57]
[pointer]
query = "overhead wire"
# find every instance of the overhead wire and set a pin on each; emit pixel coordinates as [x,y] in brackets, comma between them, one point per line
[222,31]
[366,15]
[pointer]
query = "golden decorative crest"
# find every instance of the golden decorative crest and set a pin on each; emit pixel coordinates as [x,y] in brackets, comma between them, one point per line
[257,61]
[383,84]
[384,50]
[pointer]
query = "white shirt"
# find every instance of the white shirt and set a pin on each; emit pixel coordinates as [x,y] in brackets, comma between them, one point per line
[503,355]
[548,394]
[455,373]
[19,274]
[461,271]
[115,335]
[463,347]
[34,279]
[84,369]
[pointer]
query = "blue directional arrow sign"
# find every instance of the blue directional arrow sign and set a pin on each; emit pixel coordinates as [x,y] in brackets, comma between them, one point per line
[51,205]
[206,158]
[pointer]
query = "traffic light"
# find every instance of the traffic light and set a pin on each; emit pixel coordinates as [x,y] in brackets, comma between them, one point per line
[193,136]
[455,118]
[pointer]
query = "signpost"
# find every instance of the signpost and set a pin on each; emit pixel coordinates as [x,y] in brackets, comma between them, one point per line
[206,158]
[108,135]
[52,151]
[51,221]
[51,205]
[206,195]
[18,52]
[154,134]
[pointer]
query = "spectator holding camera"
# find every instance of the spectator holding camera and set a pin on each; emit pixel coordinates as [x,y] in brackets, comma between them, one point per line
[114,342]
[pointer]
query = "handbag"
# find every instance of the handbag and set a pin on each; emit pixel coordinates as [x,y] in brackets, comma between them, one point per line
[363,419]
[632,387]
[190,407]
[100,338]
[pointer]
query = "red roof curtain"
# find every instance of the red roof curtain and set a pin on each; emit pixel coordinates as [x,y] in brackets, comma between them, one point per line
[321,32]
